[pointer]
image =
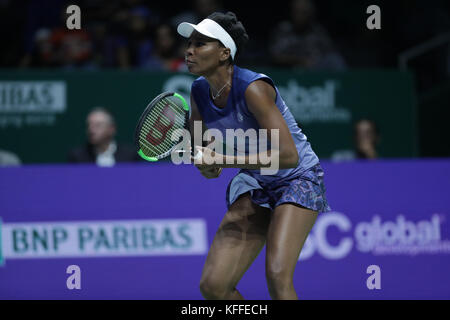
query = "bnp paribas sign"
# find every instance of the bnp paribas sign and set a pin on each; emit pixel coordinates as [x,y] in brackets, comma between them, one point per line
[29,240]
[25,103]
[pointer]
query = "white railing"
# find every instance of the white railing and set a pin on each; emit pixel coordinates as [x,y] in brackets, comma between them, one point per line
[437,41]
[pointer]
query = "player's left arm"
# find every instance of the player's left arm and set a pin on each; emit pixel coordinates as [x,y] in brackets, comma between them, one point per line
[260,97]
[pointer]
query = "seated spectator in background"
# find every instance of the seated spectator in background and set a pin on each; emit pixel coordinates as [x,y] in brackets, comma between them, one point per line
[60,47]
[42,54]
[32,30]
[302,42]
[135,41]
[7,158]
[108,48]
[73,48]
[101,148]
[165,55]
[366,139]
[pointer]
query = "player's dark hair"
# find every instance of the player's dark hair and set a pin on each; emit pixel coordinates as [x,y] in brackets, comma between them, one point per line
[235,29]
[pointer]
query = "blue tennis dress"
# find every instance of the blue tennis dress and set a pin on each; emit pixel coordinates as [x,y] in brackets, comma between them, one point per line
[302,185]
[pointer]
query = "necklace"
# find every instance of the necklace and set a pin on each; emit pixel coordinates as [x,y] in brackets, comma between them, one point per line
[230,70]
[219,92]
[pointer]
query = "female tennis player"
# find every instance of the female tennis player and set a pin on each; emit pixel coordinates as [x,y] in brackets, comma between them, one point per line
[278,209]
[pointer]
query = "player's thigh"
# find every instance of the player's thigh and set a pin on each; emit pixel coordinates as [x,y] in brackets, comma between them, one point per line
[238,240]
[288,230]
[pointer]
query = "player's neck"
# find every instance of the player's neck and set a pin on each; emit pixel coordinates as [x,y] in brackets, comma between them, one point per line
[220,78]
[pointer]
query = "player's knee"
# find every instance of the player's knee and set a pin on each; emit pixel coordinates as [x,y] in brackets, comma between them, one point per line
[213,288]
[278,278]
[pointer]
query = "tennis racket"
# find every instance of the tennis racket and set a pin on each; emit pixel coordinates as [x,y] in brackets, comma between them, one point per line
[157,134]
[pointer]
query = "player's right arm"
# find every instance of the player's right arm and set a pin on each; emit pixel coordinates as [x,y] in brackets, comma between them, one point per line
[209,173]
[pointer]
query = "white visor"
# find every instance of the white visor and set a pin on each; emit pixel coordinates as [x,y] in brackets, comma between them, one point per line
[211,29]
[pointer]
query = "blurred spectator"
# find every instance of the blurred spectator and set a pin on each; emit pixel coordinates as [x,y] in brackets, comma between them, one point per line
[59,46]
[366,139]
[8,158]
[41,18]
[136,44]
[200,10]
[106,22]
[72,48]
[165,55]
[42,54]
[302,42]
[106,46]
[101,148]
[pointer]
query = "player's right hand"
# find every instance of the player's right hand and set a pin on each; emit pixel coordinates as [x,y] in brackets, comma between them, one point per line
[210,173]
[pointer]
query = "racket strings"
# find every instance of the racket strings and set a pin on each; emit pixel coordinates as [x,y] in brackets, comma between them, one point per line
[156,120]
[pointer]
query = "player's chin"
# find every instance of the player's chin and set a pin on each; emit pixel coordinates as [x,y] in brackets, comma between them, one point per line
[193,69]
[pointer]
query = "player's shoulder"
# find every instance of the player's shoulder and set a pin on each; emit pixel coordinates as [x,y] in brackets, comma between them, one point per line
[248,76]
[244,74]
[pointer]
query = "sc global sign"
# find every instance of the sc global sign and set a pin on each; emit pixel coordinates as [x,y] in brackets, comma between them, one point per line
[317,240]
[1,245]
[334,238]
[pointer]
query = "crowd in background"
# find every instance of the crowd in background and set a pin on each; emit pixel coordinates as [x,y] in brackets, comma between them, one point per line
[309,34]
[137,34]
[294,34]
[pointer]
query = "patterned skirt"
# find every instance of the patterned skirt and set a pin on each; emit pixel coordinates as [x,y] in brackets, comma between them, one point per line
[307,190]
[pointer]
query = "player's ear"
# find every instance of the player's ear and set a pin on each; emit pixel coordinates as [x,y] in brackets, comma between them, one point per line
[225,55]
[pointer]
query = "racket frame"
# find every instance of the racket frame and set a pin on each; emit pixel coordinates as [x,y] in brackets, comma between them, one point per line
[144,114]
